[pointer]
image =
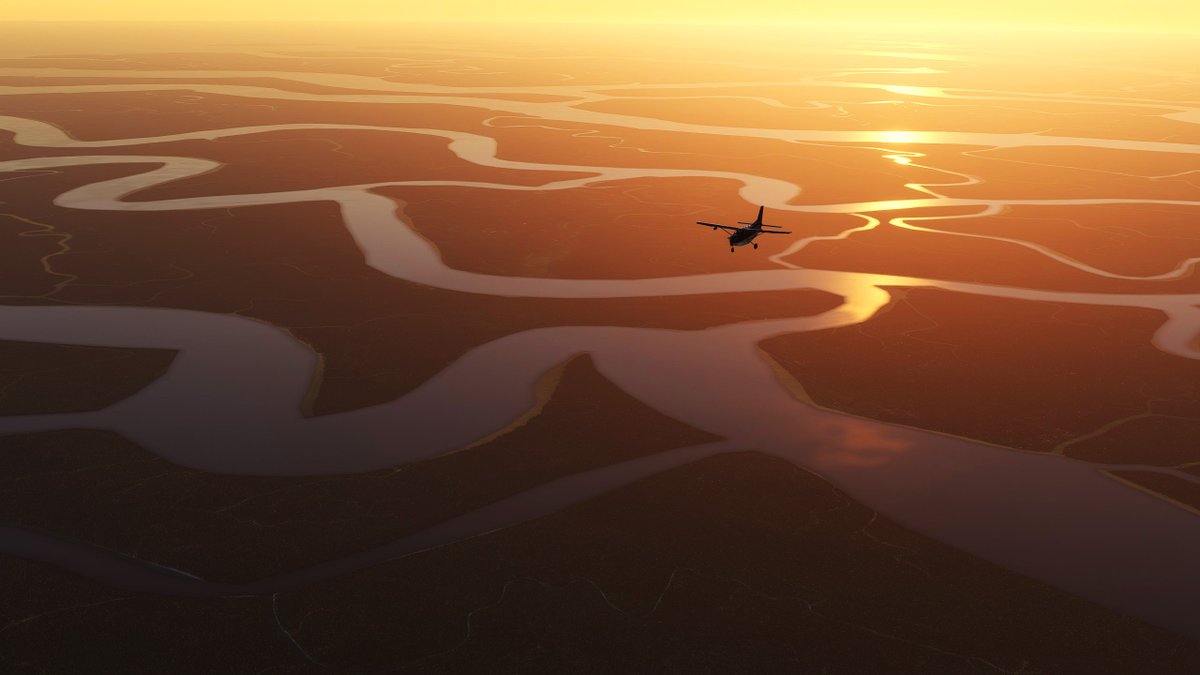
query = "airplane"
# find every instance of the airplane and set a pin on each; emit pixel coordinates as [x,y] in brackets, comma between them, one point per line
[745,235]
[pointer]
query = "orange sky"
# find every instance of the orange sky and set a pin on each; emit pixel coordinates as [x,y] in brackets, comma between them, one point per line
[1167,15]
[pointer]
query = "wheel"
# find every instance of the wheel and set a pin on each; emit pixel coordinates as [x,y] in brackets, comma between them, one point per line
[731,249]
[756,247]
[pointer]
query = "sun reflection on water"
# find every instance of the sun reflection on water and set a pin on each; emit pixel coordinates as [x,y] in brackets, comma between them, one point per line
[905,137]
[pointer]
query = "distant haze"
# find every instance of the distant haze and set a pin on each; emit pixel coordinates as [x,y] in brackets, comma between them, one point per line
[1152,15]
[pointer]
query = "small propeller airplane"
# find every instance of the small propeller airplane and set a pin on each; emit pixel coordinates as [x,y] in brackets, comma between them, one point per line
[740,236]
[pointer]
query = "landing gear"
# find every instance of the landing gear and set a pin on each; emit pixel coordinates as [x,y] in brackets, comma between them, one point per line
[731,249]
[756,247]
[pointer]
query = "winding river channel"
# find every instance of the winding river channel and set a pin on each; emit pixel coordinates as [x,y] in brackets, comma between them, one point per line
[231,401]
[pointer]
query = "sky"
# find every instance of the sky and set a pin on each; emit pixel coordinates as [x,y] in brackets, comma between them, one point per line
[1154,15]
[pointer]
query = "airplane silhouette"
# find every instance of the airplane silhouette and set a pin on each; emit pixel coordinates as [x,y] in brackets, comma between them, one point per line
[740,236]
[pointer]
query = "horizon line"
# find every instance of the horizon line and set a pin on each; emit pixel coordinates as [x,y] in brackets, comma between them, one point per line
[882,24]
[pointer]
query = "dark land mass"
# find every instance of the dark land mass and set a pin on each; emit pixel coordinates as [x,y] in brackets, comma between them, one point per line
[1166,433]
[682,572]
[1180,491]
[37,378]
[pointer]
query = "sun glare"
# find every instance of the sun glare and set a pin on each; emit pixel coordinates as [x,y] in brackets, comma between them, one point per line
[900,137]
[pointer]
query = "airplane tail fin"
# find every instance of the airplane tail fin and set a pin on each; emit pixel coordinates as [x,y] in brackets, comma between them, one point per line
[757,221]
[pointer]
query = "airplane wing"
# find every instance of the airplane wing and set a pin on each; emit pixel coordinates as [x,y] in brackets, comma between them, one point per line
[776,232]
[723,227]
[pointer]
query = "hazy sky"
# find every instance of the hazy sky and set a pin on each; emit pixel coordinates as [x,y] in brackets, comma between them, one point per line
[1174,15]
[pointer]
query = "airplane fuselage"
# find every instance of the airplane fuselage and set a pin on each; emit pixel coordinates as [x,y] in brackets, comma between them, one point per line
[744,235]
